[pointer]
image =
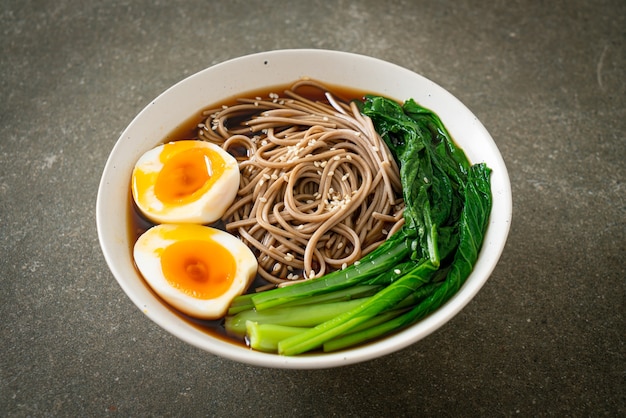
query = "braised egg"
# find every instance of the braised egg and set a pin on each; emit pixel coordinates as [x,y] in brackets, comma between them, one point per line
[197,269]
[186,181]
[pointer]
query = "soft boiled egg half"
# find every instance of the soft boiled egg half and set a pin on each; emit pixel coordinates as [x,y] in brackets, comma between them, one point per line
[186,181]
[197,269]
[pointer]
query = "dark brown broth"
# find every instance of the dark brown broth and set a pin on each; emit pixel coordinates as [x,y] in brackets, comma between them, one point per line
[188,130]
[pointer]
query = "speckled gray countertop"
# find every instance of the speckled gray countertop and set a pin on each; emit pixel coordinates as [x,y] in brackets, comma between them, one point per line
[546,334]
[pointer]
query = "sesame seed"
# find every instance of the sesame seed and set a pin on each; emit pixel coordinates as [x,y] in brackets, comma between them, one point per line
[397,271]
[344,266]
[262,199]
[336,158]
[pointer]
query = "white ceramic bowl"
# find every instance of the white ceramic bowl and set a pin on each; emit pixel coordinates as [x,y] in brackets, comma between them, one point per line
[268,69]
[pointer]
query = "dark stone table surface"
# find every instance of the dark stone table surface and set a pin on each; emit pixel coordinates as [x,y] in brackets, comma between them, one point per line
[544,337]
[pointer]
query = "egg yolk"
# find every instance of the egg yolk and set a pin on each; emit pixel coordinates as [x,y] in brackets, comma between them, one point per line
[201,269]
[186,174]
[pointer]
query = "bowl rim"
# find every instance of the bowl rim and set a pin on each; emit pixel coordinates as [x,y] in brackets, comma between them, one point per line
[495,238]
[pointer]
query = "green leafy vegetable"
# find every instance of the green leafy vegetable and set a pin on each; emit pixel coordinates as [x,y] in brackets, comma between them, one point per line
[418,269]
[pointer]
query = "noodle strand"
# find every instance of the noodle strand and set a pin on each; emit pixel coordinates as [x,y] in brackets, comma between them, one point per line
[319,188]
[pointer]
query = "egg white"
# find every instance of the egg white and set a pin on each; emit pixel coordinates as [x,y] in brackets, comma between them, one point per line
[207,208]
[147,254]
